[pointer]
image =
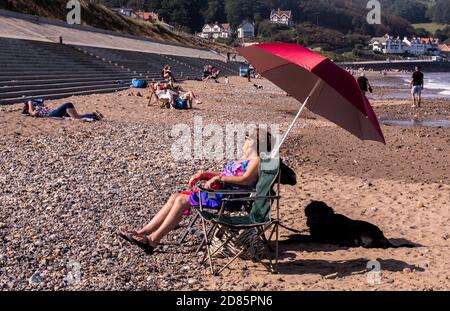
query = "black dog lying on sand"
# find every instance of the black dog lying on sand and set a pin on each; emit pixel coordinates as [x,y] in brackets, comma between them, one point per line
[327,227]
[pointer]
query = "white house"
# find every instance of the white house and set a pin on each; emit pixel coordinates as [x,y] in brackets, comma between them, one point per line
[281,17]
[215,31]
[387,45]
[415,46]
[422,46]
[246,30]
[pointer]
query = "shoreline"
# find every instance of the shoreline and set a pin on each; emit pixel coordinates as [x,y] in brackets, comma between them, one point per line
[394,86]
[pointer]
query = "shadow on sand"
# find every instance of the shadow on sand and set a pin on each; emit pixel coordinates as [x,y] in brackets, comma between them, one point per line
[341,268]
[332,269]
[299,242]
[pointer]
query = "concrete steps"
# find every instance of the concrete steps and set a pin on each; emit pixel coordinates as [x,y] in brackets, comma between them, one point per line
[61,95]
[33,69]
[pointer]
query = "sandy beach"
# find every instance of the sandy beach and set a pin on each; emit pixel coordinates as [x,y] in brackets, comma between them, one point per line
[67,188]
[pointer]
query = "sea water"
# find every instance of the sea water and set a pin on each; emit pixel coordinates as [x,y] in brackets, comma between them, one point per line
[438,83]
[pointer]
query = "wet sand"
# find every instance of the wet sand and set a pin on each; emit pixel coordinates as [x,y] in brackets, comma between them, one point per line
[66,188]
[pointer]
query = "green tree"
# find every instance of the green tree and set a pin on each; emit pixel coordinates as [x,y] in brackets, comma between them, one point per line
[215,12]
[411,10]
[443,34]
[440,12]
[183,13]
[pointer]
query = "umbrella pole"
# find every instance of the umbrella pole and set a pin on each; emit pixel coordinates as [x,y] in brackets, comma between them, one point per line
[277,148]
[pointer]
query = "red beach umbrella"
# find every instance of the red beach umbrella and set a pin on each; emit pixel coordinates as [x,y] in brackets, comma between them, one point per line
[324,87]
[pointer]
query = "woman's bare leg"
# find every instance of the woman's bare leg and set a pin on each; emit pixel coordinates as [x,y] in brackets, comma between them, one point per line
[73,113]
[171,220]
[158,219]
[193,98]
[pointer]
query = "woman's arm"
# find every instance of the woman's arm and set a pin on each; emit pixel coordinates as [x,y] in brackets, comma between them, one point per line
[201,175]
[250,176]
[31,110]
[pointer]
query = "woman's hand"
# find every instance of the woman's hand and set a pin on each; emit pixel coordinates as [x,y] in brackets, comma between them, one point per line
[195,178]
[211,182]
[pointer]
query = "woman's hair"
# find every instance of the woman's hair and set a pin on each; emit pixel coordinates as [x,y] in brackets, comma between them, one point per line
[264,143]
[25,110]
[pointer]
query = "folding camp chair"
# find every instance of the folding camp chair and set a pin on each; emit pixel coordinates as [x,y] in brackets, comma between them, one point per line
[163,102]
[229,194]
[259,217]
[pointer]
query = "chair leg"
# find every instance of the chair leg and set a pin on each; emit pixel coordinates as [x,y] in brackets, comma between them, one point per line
[221,245]
[191,224]
[229,263]
[276,247]
[271,233]
[207,247]
[203,240]
[269,266]
[262,230]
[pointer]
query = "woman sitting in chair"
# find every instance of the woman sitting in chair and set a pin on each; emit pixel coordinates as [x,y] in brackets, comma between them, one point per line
[244,172]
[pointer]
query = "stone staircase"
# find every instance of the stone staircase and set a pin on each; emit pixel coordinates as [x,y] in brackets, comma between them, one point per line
[36,69]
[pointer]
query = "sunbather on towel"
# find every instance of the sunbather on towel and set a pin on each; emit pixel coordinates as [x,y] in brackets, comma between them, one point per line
[244,172]
[39,109]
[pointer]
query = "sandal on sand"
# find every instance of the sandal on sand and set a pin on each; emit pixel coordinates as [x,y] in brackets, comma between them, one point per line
[129,236]
[98,115]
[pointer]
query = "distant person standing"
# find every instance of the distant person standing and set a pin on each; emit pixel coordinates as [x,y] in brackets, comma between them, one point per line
[416,85]
[250,71]
[166,74]
[364,83]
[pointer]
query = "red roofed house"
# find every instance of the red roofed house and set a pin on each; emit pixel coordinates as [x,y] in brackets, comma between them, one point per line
[444,48]
[148,16]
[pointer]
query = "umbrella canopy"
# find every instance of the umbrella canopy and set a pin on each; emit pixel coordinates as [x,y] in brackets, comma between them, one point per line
[325,88]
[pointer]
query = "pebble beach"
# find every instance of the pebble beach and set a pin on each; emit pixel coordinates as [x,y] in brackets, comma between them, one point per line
[67,188]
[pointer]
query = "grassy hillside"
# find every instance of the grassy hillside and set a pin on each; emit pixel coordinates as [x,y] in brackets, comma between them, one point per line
[99,16]
[430,27]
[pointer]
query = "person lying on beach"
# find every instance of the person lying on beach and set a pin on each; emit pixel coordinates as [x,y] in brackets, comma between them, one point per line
[244,172]
[37,108]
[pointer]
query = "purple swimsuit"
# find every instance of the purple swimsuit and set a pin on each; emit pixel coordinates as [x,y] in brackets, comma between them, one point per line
[231,169]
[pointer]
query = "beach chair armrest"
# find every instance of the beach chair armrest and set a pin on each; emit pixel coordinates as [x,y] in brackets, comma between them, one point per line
[276,197]
[229,192]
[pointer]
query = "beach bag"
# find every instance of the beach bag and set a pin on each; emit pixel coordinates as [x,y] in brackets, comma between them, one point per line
[139,83]
[181,103]
[248,239]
